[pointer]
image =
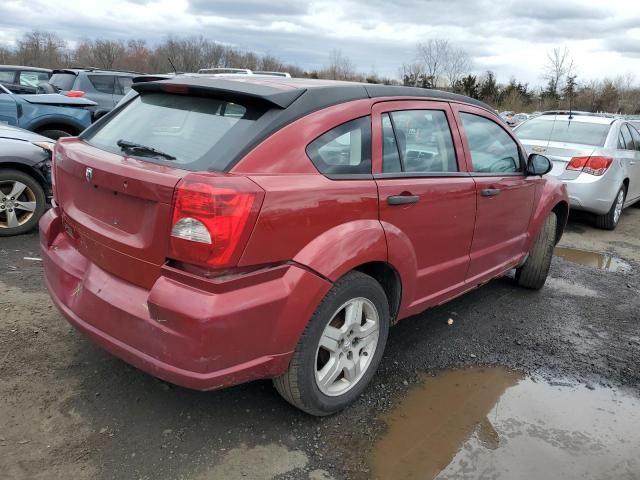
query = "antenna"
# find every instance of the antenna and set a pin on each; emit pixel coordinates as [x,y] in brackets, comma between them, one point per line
[571,85]
[172,65]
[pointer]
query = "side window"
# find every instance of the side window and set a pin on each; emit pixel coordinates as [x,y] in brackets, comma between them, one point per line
[636,136]
[492,149]
[123,85]
[7,77]
[346,149]
[422,139]
[626,135]
[33,79]
[102,83]
[621,145]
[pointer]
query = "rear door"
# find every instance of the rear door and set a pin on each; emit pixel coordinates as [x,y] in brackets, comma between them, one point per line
[629,151]
[504,193]
[426,200]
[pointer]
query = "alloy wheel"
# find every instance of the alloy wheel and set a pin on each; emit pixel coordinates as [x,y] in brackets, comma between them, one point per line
[347,346]
[17,203]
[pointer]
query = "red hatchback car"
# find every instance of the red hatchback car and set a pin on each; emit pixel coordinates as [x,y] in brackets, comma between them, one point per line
[213,231]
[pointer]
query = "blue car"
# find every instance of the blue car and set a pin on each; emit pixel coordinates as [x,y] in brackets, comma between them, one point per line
[51,115]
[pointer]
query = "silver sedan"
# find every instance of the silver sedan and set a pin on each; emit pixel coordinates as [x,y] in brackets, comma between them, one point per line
[596,156]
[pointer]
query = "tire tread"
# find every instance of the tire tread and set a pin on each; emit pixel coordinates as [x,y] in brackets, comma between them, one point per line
[533,274]
[287,384]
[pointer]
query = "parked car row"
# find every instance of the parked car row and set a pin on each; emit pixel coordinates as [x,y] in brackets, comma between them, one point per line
[99,91]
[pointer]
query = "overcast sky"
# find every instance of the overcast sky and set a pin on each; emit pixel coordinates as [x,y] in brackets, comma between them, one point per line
[508,37]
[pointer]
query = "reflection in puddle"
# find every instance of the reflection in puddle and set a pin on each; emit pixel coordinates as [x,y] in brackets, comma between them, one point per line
[603,261]
[490,423]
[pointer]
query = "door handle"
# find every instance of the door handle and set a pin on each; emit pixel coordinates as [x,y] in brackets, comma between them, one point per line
[489,192]
[402,199]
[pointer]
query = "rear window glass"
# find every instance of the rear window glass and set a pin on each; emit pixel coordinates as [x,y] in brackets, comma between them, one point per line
[103,83]
[123,85]
[7,77]
[564,131]
[64,81]
[33,79]
[345,149]
[197,131]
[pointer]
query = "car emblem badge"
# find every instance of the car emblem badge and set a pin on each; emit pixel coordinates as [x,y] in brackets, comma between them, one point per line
[538,149]
[88,174]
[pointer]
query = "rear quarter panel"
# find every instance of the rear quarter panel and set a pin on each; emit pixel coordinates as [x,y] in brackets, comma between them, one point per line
[549,194]
[329,226]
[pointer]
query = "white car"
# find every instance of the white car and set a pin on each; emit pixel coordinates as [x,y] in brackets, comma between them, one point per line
[596,156]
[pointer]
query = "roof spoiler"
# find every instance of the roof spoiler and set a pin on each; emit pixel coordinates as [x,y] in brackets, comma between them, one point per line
[221,88]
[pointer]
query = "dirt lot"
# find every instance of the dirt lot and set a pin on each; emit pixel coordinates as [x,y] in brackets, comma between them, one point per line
[68,410]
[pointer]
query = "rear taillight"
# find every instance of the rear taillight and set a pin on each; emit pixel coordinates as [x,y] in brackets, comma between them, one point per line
[211,218]
[591,165]
[75,93]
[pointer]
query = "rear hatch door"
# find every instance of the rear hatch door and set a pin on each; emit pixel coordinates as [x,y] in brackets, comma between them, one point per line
[117,209]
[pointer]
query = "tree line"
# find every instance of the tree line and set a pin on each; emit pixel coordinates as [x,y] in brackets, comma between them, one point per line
[438,63]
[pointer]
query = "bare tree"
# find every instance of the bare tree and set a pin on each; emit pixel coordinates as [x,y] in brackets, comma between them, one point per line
[41,49]
[433,54]
[457,63]
[340,66]
[413,75]
[6,55]
[271,63]
[107,53]
[559,65]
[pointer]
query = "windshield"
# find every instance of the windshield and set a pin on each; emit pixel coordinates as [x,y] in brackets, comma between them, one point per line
[564,131]
[189,128]
[63,81]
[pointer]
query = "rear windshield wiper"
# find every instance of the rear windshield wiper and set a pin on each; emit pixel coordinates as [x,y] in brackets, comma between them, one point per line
[143,149]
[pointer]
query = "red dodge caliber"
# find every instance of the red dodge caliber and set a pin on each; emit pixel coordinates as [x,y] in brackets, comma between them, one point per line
[213,231]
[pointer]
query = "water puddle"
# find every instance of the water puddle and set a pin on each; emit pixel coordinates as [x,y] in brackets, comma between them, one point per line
[491,423]
[603,261]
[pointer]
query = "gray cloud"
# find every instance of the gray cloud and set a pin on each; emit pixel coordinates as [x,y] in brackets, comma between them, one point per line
[248,8]
[373,33]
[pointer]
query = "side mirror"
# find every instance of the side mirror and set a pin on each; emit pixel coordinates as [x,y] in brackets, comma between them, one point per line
[538,164]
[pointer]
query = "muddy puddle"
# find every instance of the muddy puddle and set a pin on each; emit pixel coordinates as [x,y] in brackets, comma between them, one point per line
[490,423]
[603,261]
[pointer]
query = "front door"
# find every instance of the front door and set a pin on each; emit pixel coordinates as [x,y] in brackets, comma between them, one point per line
[504,193]
[427,202]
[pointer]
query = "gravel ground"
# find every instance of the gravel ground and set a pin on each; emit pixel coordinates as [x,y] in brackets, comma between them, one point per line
[68,410]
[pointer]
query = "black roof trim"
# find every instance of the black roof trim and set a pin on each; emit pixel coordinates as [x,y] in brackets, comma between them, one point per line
[14,68]
[76,70]
[376,90]
[228,88]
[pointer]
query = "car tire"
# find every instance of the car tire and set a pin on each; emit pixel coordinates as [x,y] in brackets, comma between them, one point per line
[307,384]
[533,273]
[610,220]
[54,134]
[33,193]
